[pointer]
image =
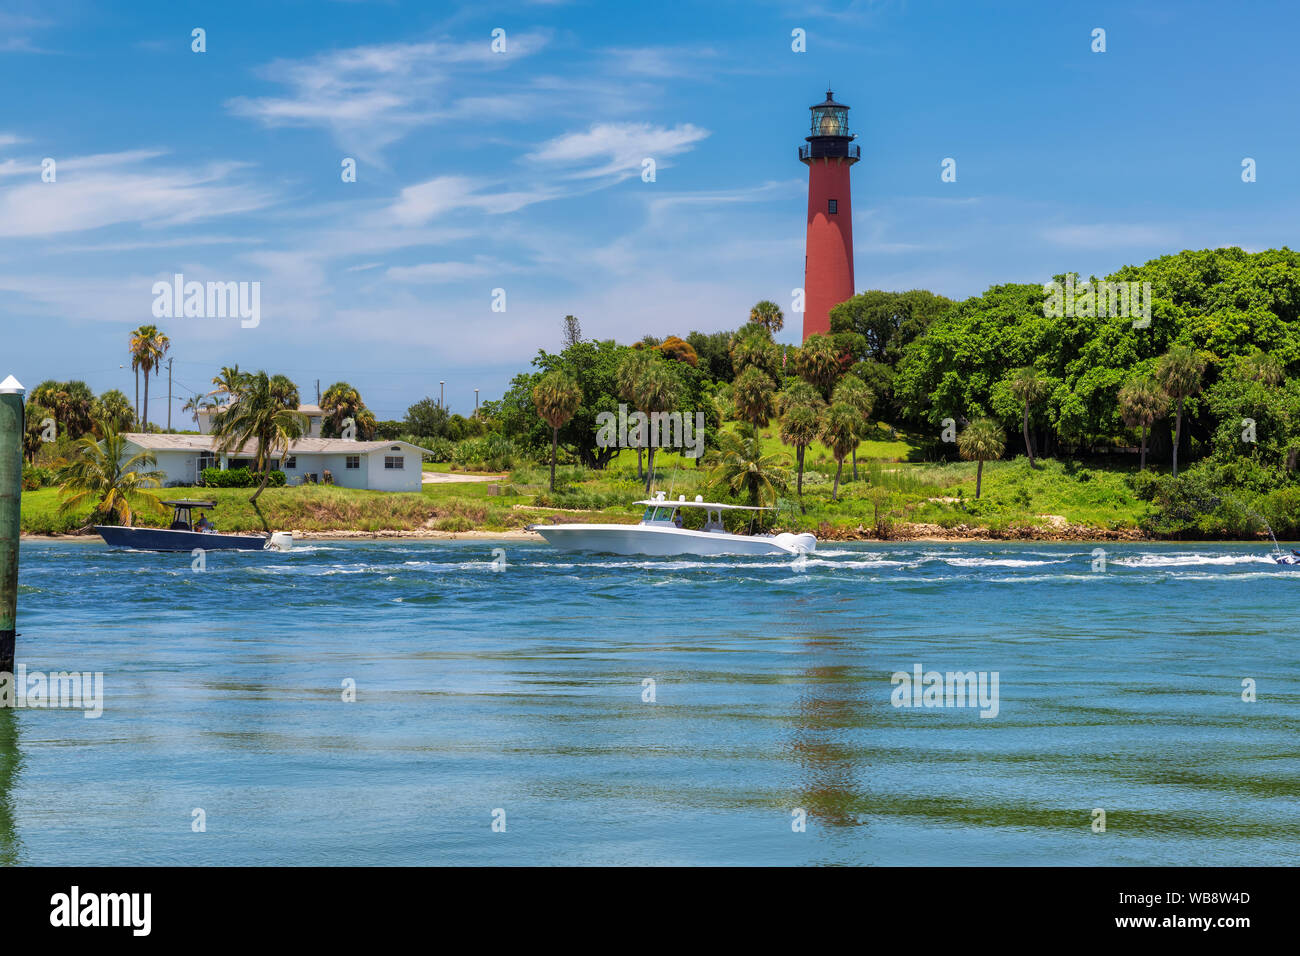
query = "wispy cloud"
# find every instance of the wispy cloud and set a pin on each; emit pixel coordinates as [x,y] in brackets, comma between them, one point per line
[369,97]
[617,148]
[426,201]
[16,32]
[434,272]
[106,189]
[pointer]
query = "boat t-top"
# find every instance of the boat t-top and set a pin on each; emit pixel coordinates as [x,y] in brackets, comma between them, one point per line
[660,532]
[182,535]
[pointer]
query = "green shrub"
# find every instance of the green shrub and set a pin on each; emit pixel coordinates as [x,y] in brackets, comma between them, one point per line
[238,478]
[453,523]
[35,477]
[491,452]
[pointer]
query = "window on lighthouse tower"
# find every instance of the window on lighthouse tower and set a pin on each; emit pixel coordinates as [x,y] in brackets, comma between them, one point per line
[832,207]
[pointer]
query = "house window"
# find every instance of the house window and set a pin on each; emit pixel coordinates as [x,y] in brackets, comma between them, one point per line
[394,462]
[354,461]
[290,462]
[832,206]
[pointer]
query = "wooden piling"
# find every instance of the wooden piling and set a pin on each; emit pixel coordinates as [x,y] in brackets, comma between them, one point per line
[11,491]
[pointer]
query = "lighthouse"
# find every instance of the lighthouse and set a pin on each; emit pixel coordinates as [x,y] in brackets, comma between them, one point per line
[828,259]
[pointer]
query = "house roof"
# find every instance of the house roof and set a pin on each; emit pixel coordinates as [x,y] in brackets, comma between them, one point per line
[303,446]
[304,409]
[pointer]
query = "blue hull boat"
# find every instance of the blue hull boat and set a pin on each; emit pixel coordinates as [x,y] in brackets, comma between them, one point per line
[164,539]
[182,536]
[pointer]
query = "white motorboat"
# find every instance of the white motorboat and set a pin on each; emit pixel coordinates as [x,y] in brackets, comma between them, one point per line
[660,533]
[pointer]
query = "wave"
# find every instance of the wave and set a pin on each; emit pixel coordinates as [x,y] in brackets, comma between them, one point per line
[997,562]
[1150,560]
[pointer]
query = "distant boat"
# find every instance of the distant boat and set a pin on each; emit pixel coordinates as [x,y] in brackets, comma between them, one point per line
[659,533]
[181,536]
[1292,558]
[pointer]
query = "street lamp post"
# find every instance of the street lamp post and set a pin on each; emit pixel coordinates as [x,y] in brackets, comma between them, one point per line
[442,394]
[476,403]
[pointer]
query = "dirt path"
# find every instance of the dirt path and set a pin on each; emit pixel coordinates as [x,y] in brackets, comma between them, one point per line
[448,477]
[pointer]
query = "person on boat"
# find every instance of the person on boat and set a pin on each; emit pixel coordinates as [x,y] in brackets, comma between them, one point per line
[204,524]
[677,517]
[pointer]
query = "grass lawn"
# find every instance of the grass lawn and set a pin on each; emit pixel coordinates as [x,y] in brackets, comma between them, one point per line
[889,489]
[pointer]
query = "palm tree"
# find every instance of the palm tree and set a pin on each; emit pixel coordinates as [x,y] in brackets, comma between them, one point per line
[148,345]
[71,402]
[228,381]
[983,440]
[115,408]
[365,422]
[1030,389]
[557,396]
[855,392]
[1179,373]
[340,402]
[754,395]
[752,345]
[195,405]
[1262,367]
[33,430]
[1141,402]
[102,472]
[801,409]
[284,391]
[739,465]
[656,391]
[818,363]
[136,347]
[840,434]
[767,314]
[627,377]
[256,414]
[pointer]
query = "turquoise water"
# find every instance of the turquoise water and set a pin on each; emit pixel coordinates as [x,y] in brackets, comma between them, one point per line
[522,690]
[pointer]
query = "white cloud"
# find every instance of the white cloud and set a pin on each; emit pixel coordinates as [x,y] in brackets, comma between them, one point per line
[369,97]
[95,191]
[423,202]
[432,272]
[617,148]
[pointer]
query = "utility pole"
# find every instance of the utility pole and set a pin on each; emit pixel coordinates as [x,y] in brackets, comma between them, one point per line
[11,490]
[169,394]
[442,394]
[318,392]
[476,403]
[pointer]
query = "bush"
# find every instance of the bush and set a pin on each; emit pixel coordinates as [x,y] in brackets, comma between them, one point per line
[238,478]
[442,449]
[453,523]
[492,452]
[35,477]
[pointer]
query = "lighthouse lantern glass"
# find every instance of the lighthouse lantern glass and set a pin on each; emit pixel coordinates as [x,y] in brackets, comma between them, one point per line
[830,121]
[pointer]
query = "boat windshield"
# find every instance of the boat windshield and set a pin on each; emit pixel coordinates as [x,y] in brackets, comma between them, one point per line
[663,514]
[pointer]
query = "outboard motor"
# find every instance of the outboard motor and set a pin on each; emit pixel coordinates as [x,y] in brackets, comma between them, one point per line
[796,543]
[280,541]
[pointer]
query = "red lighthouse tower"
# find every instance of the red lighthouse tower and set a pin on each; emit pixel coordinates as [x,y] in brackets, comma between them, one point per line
[828,263]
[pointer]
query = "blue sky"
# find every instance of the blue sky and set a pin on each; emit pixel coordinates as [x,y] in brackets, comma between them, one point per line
[521,170]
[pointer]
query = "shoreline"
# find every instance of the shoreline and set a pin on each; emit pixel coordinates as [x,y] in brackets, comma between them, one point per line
[1071,534]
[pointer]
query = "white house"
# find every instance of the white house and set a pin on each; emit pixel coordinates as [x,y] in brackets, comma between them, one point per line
[377,465]
[313,412]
